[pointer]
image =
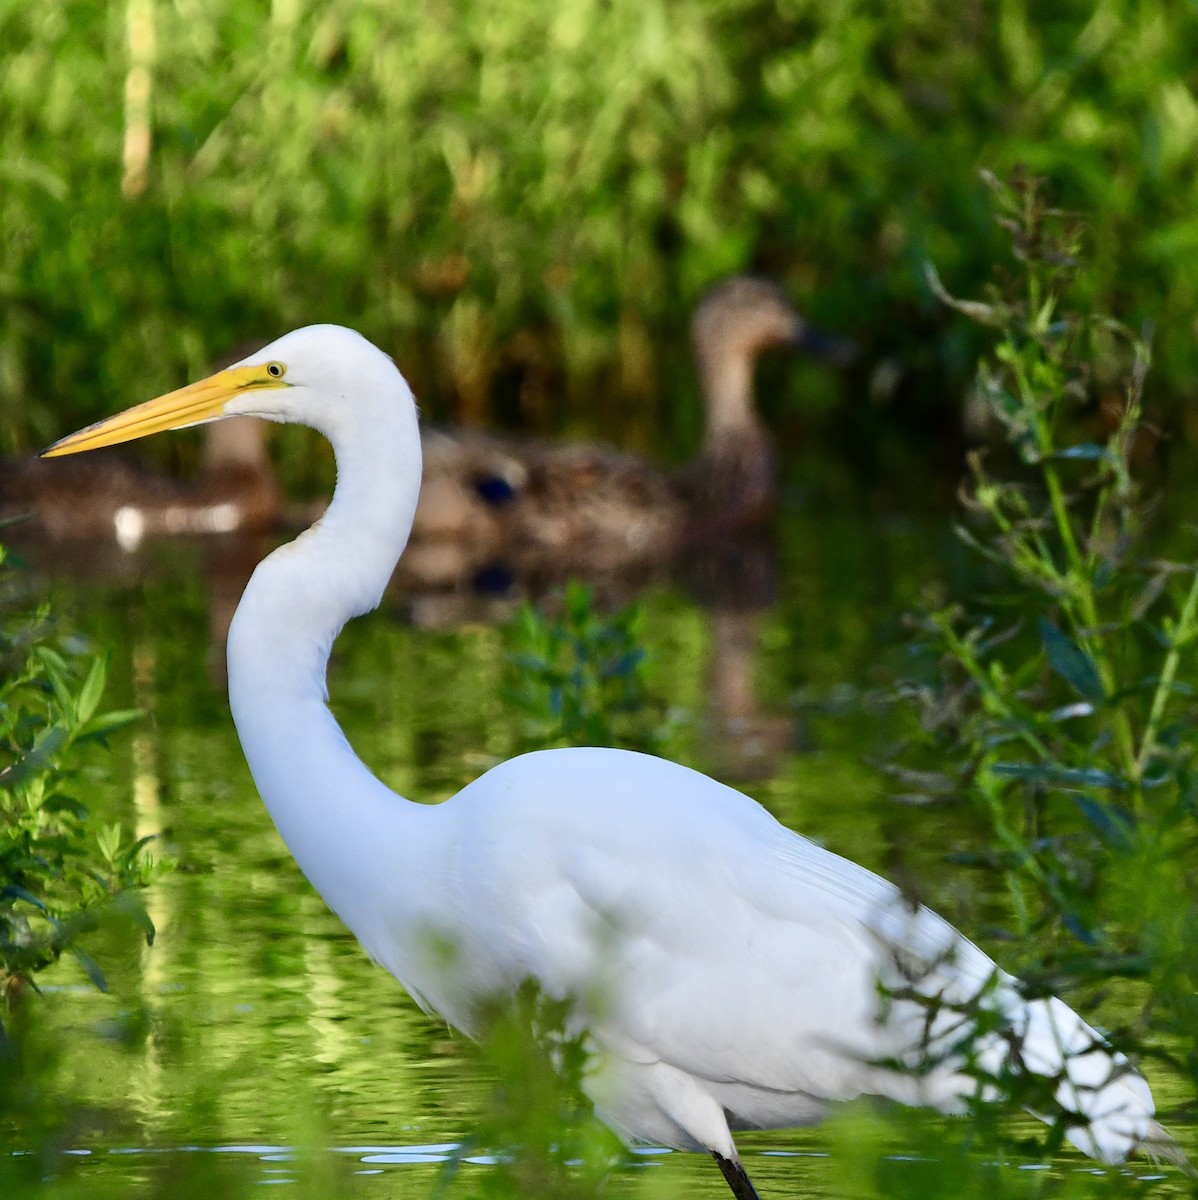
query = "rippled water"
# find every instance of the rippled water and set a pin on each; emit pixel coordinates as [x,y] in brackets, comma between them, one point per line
[382,1171]
[255,1045]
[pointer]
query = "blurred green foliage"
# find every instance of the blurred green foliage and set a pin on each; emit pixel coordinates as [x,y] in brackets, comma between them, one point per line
[538,1126]
[523,201]
[59,875]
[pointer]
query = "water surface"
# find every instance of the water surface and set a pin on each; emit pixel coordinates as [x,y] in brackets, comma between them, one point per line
[254,1045]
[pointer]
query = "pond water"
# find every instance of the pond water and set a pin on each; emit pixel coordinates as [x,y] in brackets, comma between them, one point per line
[254,1045]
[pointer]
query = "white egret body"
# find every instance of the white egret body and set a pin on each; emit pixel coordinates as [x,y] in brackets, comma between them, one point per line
[737,963]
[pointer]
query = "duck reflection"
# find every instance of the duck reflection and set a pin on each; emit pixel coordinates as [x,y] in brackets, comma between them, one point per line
[732,581]
[735,582]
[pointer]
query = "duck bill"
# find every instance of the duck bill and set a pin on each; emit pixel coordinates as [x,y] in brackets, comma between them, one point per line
[191,405]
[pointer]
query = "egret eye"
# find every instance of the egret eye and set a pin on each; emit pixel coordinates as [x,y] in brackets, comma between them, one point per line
[276,370]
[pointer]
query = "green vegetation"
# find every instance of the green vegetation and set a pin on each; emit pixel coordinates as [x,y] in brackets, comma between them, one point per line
[522,202]
[59,874]
[1060,702]
[580,680]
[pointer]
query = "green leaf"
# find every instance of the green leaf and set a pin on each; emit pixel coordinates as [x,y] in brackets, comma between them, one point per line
[15,892]
[92,968]
[577,602]
[1071,663]
[93,688]
[1065,776]
[109,723]
[1079,929]
[108,838]
[56,671]
[47,743]
[129,905]
[58,803]
[1114,825]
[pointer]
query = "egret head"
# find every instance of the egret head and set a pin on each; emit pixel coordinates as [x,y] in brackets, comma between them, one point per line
[311,376]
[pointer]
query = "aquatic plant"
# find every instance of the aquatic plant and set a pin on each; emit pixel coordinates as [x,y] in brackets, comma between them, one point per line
[581,679]
[60,875]
[1058,702]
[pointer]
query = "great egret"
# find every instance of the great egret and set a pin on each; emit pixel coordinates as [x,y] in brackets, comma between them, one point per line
[112,499]
[737,961]
[551,508]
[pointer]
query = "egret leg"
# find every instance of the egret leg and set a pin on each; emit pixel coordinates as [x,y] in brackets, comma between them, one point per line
[740,1183]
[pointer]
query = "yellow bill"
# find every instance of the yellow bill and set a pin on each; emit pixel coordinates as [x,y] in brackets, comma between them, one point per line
[202,401]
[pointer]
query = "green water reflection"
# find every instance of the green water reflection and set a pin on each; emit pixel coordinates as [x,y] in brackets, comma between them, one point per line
[255,1025]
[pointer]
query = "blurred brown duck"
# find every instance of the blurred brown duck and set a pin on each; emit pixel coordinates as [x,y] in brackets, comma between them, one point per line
[110,497]
[582,507]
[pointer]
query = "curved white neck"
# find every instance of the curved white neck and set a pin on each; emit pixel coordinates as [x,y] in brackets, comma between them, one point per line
[328,807]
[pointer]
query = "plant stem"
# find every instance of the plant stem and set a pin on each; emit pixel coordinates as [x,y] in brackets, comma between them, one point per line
[1183,633]
[996,704]
[1079,580]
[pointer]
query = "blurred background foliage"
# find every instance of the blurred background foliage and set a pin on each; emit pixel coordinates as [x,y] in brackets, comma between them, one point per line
[522,201]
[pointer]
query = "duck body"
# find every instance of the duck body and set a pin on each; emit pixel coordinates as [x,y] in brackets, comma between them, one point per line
[502,500]
[571,508]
